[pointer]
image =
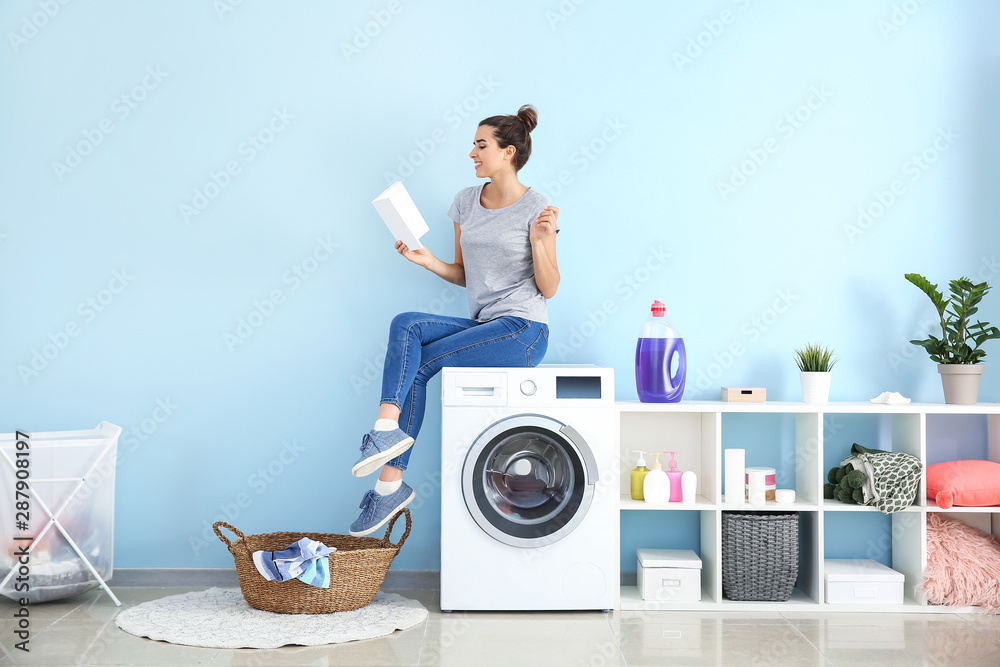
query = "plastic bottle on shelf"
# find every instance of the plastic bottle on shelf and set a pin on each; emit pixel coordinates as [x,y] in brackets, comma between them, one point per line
[655,352]
[689,486]
[656,485]
[674,475]
[638,475]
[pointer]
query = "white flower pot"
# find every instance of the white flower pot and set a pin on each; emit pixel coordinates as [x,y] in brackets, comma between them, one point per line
[815,386]
[961,382]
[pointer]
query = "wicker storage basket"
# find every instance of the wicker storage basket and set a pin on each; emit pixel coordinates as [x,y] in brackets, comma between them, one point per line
[760,555]
[357,569]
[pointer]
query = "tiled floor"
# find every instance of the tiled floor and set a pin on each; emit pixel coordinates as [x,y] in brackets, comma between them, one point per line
[81,631]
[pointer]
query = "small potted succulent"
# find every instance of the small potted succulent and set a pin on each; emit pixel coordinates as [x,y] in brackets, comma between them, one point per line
[959,362]
[815,362]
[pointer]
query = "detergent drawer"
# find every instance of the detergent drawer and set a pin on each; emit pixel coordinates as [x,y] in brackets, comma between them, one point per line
[473,389]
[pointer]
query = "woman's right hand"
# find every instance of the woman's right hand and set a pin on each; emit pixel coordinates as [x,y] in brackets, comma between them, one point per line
[421,257]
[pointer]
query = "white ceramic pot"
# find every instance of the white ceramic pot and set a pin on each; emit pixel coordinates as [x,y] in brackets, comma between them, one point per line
[961,382]
[815,386]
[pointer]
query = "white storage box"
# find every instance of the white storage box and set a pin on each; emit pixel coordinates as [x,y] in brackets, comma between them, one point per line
[862,581]
[669,575]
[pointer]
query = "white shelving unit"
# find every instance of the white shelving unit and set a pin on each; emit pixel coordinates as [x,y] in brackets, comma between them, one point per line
[696,430]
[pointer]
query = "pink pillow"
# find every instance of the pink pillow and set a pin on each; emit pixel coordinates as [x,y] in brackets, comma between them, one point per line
[963,565]
[971,483]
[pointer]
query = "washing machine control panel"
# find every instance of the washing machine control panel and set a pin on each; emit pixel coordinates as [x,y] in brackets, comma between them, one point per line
[528,387]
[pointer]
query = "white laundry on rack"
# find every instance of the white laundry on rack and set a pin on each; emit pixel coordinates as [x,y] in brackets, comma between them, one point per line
[70,536]
[891,398]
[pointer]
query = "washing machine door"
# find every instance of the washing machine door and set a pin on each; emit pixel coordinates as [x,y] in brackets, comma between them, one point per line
[528,480]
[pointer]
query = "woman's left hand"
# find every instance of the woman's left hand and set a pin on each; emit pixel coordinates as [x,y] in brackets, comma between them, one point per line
[545,223]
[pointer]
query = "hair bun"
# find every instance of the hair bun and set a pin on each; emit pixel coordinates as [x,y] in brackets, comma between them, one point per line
[528,116]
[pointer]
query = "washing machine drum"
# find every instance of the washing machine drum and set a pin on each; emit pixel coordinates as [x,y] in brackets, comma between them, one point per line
[528,480]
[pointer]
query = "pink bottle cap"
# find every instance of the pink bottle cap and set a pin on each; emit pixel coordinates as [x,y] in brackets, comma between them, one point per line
[659,309]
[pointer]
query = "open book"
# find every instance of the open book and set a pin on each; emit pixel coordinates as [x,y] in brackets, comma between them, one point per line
[401,215]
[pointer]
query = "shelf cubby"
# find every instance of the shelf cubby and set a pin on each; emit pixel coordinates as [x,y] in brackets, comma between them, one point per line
[692,436]
[702,536]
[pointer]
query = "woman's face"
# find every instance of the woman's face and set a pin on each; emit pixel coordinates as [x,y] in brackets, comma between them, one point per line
[487,155]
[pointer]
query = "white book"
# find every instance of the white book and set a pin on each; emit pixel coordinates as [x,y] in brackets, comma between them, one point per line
[401,215]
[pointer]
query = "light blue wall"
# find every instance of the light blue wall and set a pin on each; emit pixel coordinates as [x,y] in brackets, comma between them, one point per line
[632,144]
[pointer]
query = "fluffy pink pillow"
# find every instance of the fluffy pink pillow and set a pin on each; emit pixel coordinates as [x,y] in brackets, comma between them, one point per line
[965,483]
[963,565]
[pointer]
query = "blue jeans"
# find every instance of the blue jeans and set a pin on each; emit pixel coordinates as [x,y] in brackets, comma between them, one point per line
[421,344]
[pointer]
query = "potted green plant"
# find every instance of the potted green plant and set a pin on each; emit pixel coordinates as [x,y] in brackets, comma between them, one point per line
[959,363]
[815,363]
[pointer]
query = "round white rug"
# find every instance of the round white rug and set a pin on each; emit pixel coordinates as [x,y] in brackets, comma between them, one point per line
[221,618]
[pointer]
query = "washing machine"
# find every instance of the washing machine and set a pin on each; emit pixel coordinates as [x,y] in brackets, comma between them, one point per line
[529,505]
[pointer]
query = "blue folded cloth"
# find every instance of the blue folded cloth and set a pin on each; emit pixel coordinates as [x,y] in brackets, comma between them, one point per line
[294,561]
[318,573]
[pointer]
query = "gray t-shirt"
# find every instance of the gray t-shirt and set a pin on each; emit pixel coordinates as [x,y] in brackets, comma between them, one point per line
[499,272]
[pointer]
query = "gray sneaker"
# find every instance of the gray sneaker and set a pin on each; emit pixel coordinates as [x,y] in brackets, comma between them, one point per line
[376,510]
[379,447]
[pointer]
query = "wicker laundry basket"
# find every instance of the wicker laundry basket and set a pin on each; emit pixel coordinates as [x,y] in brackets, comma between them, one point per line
[357,569]
[760,555]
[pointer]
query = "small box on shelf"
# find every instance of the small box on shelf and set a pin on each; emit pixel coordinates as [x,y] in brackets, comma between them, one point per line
[861,581]
[669,575]
[744,394]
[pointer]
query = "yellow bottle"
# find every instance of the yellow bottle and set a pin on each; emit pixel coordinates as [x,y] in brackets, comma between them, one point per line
[638,474]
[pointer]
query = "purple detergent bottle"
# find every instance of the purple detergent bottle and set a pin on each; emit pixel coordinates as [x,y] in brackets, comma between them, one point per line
[659,348]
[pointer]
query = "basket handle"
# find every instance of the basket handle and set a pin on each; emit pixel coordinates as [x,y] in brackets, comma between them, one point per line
[388,531]
[231,527]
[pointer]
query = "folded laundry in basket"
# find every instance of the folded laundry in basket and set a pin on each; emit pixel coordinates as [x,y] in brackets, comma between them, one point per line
[291,562]
[318,573]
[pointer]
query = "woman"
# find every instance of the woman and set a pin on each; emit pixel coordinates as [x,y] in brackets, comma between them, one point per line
[505,257]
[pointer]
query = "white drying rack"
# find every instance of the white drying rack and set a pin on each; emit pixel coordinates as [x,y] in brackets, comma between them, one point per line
[106,432]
